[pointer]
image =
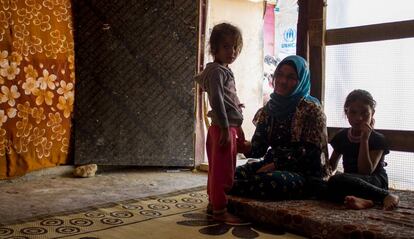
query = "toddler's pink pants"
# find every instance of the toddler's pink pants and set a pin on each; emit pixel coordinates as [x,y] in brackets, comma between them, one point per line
[221,166]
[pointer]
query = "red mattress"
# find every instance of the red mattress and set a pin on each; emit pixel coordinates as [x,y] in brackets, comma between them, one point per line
[321,219]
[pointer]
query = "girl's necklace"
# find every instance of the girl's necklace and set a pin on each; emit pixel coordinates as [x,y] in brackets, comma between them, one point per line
[352,138]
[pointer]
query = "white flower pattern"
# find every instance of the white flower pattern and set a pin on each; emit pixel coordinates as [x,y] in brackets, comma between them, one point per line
[47,80]
[10,95]
[10,71]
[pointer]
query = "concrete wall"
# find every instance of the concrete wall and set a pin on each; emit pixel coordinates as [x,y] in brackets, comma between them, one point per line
[248,67]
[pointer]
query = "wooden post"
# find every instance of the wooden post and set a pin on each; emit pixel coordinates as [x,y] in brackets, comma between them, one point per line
[316,34]
[302,39]
[199,132]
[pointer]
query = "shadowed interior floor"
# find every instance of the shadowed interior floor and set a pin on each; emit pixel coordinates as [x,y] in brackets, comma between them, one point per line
[55,190]
[116,203]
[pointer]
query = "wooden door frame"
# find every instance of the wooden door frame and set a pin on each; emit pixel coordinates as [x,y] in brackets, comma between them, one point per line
[199,104]
[313,38]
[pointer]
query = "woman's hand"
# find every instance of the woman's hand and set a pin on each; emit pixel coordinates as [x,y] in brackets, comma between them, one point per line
[266,168]
[224,137]
[243,146]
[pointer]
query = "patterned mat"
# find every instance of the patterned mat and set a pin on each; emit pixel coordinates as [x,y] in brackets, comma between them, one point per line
[176,215]
[327,220]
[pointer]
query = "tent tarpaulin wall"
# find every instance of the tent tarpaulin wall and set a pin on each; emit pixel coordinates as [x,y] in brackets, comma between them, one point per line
[135,61]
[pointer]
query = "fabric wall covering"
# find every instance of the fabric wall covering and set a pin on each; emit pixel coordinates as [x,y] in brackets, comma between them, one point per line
[36,84]
[135,67]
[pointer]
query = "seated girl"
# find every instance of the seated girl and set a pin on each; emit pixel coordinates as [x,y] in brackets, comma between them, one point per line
[364,181]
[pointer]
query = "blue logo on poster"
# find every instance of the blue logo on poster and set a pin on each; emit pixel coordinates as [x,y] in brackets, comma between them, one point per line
[289,35]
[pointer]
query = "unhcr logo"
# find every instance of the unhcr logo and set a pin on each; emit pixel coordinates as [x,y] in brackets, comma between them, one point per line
[290,38]
[289,35]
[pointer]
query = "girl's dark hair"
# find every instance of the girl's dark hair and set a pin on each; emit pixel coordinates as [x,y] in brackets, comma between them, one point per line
[222,30]
[361,95]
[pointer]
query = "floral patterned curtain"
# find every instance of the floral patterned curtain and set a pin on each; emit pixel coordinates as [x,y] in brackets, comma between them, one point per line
[36,84]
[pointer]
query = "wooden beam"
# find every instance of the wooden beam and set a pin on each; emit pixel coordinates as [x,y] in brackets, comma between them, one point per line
[302,39]
[199,132]
[316,33]
[376,32]
[397,140]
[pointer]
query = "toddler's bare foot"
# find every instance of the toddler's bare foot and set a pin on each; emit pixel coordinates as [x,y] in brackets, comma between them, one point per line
[357,203]
[227,218]
[390,202]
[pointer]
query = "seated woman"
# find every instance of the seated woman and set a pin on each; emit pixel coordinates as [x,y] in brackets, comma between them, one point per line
[290,134]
